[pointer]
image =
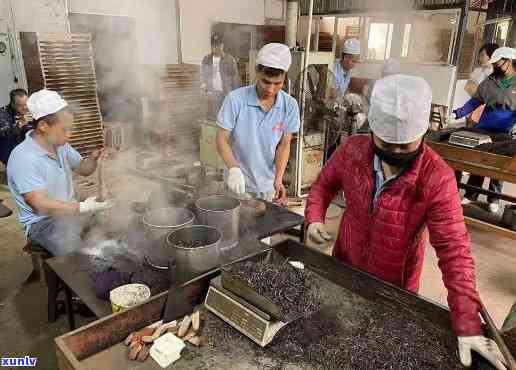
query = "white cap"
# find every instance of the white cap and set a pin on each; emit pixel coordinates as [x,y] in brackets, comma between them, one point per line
[392,66]
[400,108]
[503,52]
[275,56]
[351,46]
[45,102]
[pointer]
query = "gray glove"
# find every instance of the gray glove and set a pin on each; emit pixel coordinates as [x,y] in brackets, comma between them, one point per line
[317,232]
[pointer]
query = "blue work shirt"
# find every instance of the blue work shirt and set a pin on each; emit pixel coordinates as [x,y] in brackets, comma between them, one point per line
[381,183]
[31,168]
[342,78]
[255,134]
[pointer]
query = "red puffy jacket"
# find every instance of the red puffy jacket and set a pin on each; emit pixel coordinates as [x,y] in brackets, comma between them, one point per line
[387,238]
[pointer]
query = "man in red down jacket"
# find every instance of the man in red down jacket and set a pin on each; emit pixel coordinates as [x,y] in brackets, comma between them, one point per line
[394,186]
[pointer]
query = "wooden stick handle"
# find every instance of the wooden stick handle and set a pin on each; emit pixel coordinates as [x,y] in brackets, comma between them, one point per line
[101,196]
[511,363]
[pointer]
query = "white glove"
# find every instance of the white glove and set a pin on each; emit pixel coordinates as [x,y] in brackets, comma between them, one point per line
[485,347]
[91,205]
[451,119]
[317,232]
[236,181]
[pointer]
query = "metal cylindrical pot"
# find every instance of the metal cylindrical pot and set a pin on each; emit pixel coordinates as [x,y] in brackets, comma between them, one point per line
[160,222]
[195,249]
[221,212]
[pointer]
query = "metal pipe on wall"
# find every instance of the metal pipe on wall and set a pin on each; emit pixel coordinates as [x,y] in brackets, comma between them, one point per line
[292,10]
[178,30]
[335,38]
[463,28]
[301,135]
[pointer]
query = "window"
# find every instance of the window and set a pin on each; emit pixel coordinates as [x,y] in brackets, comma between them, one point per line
[406,40]
[502,30]
[379,41]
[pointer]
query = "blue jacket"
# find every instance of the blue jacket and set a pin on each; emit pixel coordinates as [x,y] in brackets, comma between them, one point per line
[500,112]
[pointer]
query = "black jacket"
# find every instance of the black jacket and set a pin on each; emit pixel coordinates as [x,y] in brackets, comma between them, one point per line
[10,133]
[228,72]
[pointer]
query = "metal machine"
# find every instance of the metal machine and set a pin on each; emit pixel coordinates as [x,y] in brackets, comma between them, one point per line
[248,319]
[328,118]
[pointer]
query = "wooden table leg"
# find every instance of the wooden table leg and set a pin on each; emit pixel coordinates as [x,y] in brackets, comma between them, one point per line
[53,290]
[69,307]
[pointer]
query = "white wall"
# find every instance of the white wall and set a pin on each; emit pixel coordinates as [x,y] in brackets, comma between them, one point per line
[40,15]
[155,25]
[198,16]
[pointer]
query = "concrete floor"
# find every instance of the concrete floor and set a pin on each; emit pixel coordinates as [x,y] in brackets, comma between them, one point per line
[23,312]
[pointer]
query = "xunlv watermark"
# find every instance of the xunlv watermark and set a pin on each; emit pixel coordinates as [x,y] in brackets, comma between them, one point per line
[19,361]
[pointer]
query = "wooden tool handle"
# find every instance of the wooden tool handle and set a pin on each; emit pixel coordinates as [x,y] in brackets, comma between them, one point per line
[101,196]
[511,363]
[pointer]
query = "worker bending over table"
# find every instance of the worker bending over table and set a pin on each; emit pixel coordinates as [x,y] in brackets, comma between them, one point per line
[396,187]
[256,124]
[39,175]
[498,93]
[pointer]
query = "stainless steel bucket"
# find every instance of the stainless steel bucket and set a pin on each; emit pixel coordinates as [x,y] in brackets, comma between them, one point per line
[160,222]
[196,249]
[223,213]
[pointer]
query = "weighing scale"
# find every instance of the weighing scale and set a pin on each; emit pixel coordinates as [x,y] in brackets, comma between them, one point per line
[469,139]
[246,317]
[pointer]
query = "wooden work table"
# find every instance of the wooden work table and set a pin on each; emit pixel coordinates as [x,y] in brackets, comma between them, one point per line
[480,163]
[477,162]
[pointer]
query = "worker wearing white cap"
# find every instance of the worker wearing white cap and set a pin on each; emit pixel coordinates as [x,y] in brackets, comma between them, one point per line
[396,188]
[256,124]
[498,93]
[343,67]
[39,174]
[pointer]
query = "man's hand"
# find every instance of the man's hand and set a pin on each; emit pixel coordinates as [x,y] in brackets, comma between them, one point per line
[451,119]
[317,232]
[91,205]
[281,192]
[236,181]
[485,347]
[23,121]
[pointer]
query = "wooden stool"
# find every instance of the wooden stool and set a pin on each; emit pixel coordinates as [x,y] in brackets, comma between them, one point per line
[46,276]
[38,256]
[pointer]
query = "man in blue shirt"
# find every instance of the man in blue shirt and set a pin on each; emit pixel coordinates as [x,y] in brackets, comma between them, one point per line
[256,124]
[342,68]
[39,174]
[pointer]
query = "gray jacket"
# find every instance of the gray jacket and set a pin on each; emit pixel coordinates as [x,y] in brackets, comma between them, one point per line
[228,72]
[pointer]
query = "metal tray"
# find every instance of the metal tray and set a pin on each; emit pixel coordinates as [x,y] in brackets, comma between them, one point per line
[97,345]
